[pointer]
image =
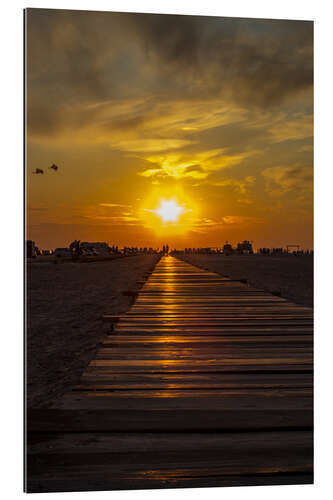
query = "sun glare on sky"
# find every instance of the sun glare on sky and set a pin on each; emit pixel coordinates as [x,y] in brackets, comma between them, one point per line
[169,211]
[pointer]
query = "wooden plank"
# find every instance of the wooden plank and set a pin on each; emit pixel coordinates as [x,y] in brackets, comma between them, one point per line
[221,323]
[216,318]
[161,443]
[202,354]
[167,420]
[232,307]
[53,485]
[225,331]
[205,380]
[279,400]
[170,364]
[190,341]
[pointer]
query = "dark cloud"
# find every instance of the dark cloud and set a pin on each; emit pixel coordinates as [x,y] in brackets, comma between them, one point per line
[75,58]
[40,119]
[235,138]
[67,52]
[125,123]
[177,39]
[281,180]
[258,61]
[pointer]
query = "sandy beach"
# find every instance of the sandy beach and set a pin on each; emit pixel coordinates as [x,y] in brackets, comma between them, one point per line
[288,276]
[65,304]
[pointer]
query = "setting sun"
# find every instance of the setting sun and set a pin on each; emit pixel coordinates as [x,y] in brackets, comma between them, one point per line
[169,211]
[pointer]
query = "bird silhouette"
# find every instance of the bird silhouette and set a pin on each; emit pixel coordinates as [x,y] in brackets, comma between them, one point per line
[38,171]
[54,167]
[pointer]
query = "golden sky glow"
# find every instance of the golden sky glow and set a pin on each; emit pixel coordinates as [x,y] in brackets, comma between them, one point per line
[212,114]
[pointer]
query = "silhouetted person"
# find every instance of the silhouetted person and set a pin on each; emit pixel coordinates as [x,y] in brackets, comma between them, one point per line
[75,249]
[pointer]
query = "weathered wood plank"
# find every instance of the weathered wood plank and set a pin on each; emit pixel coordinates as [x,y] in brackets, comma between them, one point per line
[164,338]
[174,381]
[154,419]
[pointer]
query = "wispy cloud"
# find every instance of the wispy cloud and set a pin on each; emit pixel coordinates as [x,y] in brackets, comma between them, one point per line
[280,180]
[113,205]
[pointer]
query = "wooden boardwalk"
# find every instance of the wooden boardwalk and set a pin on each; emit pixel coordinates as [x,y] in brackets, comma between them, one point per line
[204,382]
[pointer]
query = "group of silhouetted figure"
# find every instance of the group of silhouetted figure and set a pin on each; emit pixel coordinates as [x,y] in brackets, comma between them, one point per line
[242,249]
[283,251]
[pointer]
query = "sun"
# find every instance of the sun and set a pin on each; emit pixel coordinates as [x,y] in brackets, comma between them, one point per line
[169,210]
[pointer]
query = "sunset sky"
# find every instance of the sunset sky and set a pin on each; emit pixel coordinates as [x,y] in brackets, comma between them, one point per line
[215,114]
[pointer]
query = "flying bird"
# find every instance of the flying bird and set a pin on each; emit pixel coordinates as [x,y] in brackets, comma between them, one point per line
[38,171]
[54,167]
